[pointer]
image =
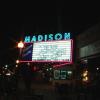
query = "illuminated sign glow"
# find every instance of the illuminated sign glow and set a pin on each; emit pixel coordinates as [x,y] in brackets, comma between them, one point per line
[62,74]
[48,51]
[47,37]
[52,51]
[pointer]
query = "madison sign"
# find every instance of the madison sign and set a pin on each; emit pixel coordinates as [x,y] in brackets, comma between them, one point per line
[47,37]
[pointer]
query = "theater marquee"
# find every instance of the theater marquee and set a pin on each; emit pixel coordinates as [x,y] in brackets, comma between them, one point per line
[49,51]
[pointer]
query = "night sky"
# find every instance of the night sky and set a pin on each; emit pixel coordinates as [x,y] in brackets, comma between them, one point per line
[14,25]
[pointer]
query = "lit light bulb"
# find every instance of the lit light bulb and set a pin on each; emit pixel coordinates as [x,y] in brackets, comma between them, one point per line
[20,44]
[17,61]
[97,68]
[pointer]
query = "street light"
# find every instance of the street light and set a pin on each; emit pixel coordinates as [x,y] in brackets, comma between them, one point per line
[20,44]
[17,61]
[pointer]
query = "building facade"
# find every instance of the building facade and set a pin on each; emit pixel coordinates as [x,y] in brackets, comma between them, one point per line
[88,50]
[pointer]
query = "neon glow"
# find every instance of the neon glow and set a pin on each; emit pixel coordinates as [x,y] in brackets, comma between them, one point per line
[48,37]
[62,74]
[60,65]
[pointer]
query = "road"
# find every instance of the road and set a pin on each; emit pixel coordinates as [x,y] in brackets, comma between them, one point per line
[44,91]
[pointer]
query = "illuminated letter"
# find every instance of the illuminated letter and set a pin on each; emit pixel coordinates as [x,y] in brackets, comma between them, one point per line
[50,37]
[27,39]
[67,36]
[58,36]
[40,37]
[33,39]
[45,39]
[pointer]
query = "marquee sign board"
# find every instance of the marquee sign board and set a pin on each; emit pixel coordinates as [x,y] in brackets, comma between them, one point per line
[49,51]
